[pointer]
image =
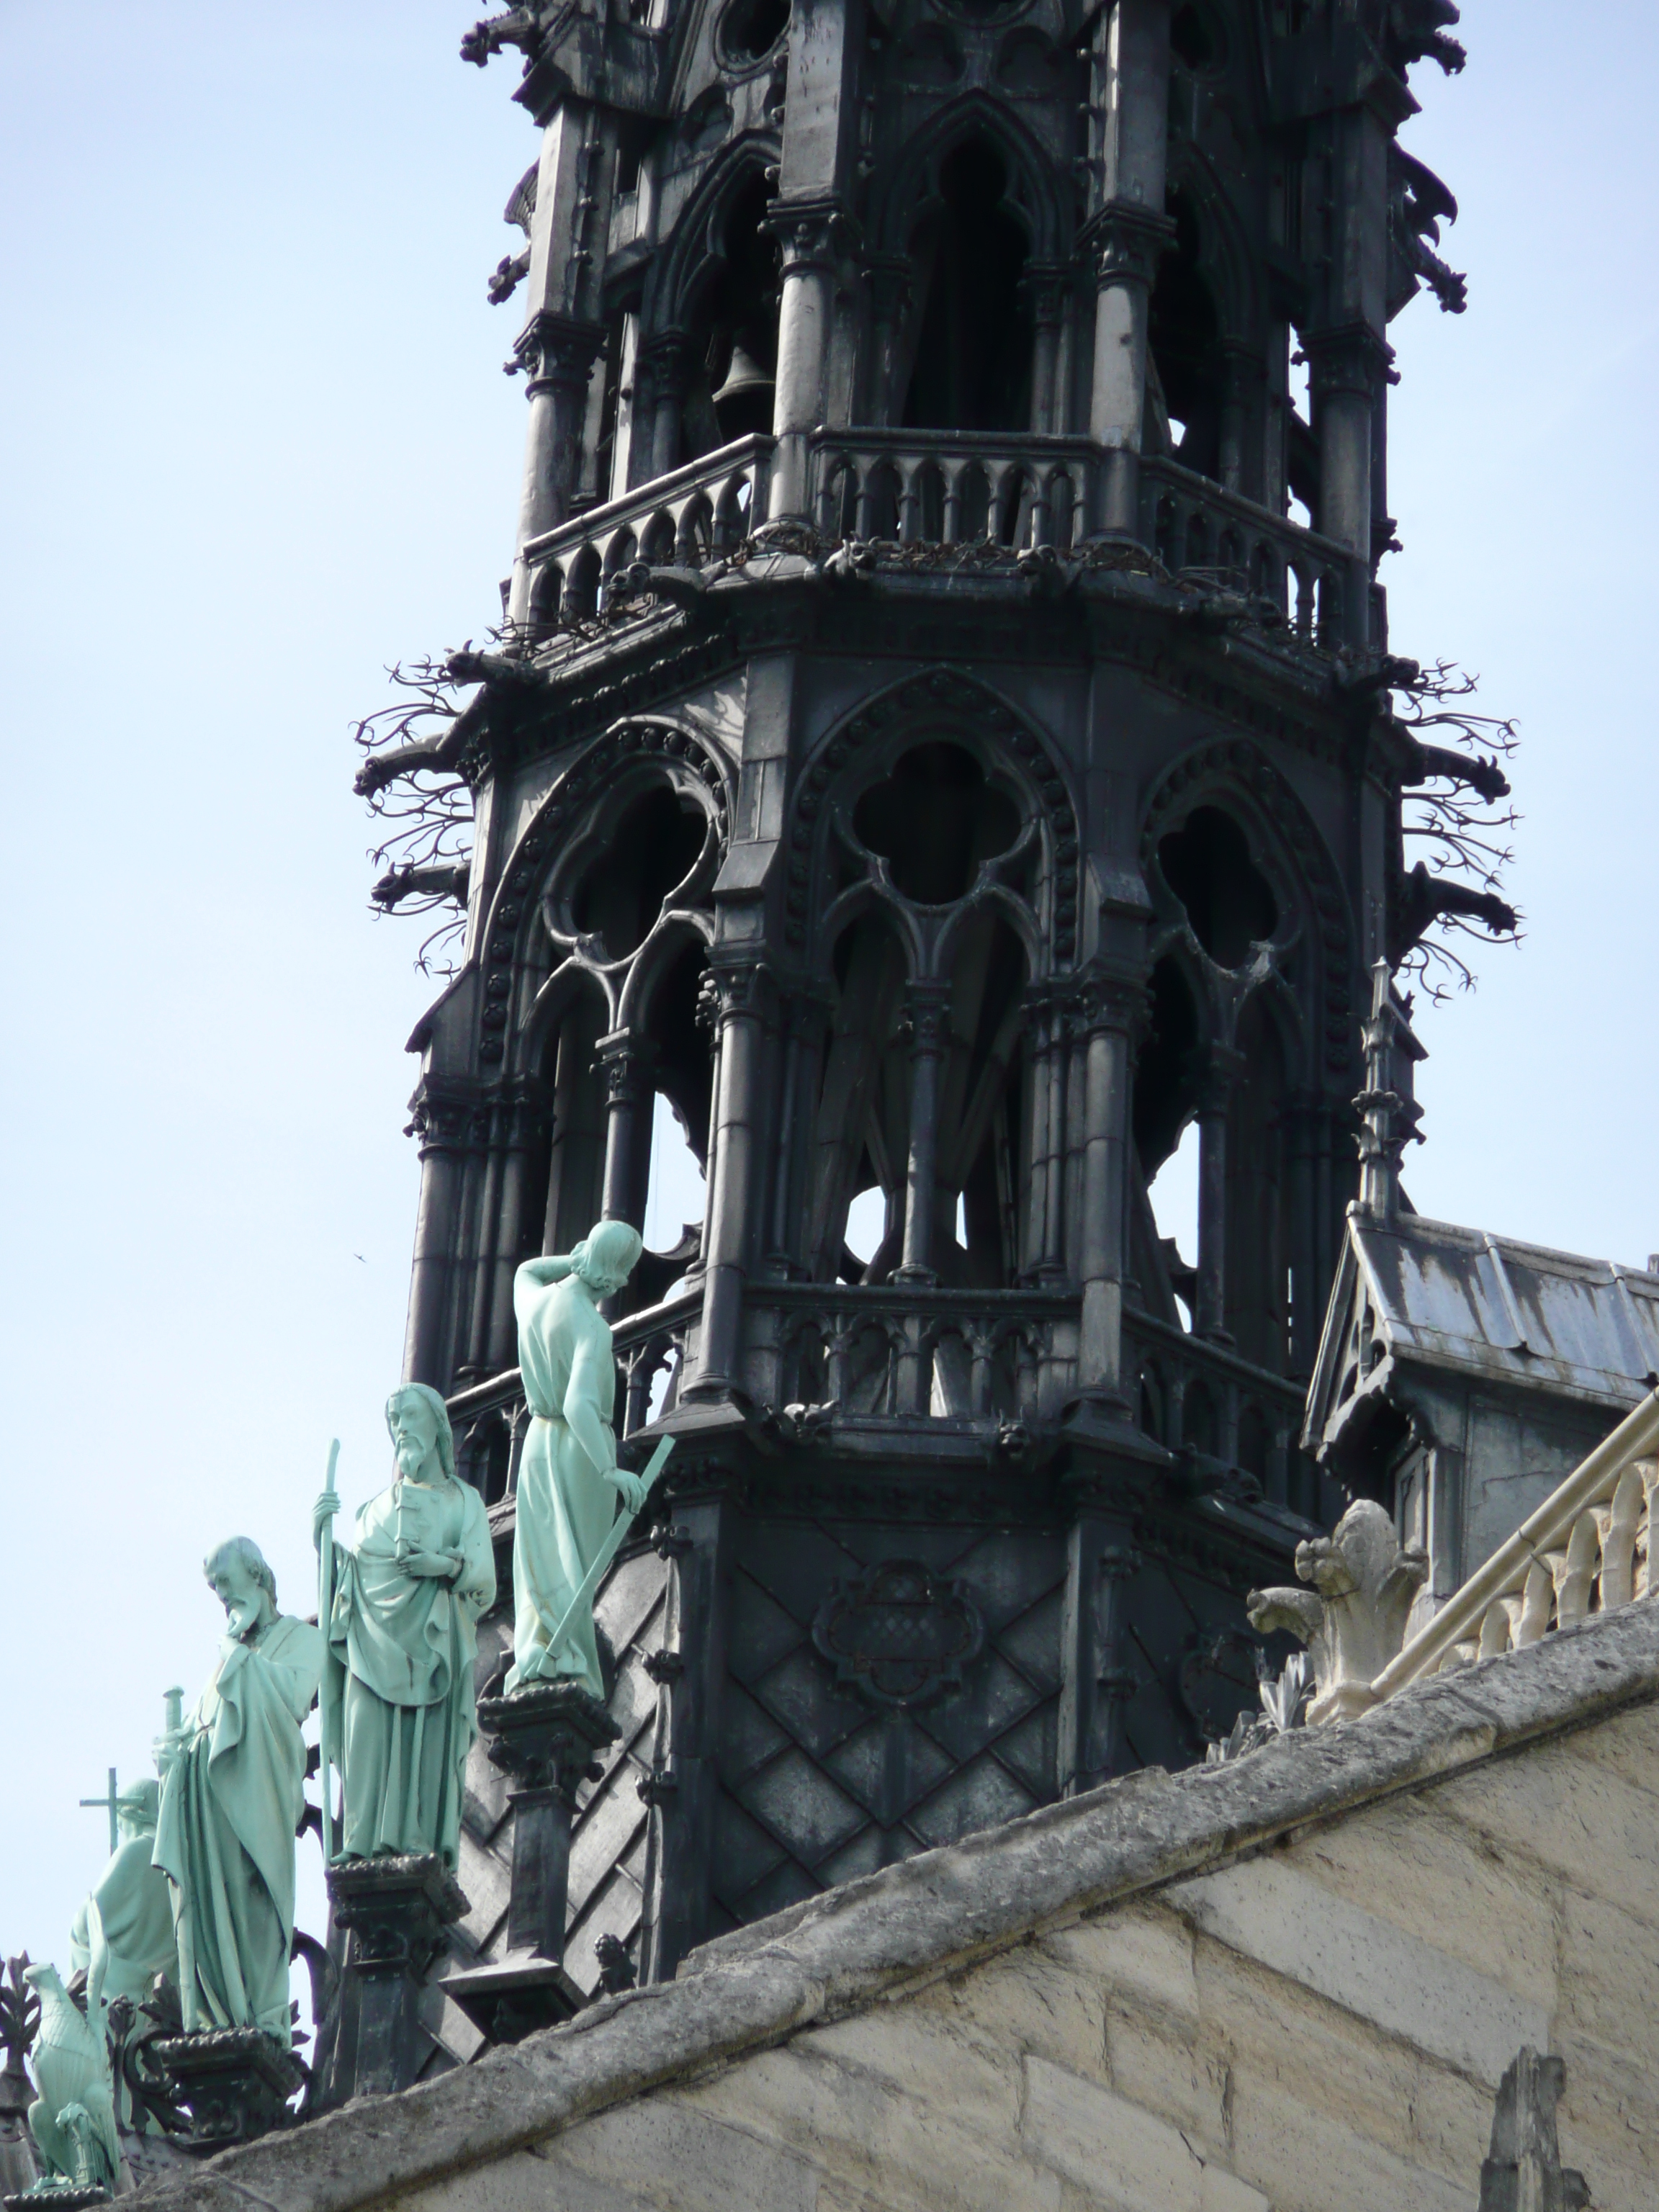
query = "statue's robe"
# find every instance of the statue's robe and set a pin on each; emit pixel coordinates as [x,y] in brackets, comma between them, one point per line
[564,1504]
[400,1671]
[134,1900]
[231,1805]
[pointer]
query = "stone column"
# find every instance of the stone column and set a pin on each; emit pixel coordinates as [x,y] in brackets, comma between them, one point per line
[664,359]
[682,1786]
[930,1014]
[888,280]
[1096,1683]
[805,238]
[1126,233]
[1243,419]
[624,1059]
[548,1738]
[395,1913]
[1347,370]
[1128,245]
[1109,1006]
[735,1183]
[444,1127]
[557,354]
[1045,296]
[1223,1067]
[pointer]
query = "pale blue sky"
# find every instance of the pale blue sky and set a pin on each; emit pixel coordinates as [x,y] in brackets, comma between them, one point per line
[257,445]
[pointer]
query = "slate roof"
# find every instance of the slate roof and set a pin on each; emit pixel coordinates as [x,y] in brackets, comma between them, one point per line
[1465,1300]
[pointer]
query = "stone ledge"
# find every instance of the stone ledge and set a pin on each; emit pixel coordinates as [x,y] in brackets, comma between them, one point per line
[926,1916]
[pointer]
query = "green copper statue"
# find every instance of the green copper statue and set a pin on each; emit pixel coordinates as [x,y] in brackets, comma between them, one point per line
[123,1935]
[403,1637]
[73,2117]
[231,1798]
[568,1478]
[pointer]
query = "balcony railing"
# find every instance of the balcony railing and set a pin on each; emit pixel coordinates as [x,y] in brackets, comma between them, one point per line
[953,487]
[683,519]
[1587,1549]
[1194,527]
[943,488]
[1190,1394]
[897,1353]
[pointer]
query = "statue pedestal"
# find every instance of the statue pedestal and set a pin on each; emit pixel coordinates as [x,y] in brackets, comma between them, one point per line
[234,2082]
[56,2196]
[546,1737]
[396,1913]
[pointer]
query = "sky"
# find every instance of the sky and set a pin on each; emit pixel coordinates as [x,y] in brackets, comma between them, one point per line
[257,445]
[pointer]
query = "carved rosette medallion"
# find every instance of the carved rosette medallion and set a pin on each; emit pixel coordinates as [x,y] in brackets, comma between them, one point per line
[898,1634]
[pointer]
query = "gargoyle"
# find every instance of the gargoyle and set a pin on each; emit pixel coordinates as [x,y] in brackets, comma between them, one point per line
[1423,898]
[508,274]
[519,27]
[448,880]
[1353,1618]
[1418,203]
[1480,775]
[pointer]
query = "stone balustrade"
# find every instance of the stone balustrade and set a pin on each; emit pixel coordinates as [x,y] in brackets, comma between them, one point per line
[1192,1395]
[935,487]
[898,1350]
[1586,1549]
[1196,528]
[684,519]
[953,487]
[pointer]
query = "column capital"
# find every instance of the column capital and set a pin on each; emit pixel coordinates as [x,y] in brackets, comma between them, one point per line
[928,1009]
[624,1058]
[556,352]
[1105,998]
[1043,287]
[1125,241]
[810,234]
[1349,357]
[448,1121]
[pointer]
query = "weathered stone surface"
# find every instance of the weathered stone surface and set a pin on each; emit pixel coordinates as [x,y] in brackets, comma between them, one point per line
[1316,2046]
[1401,1983]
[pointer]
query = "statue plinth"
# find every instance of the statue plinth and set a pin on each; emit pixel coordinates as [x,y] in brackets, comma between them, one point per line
[49,2196]
[546,1736]
[234,2082]
[396,1913]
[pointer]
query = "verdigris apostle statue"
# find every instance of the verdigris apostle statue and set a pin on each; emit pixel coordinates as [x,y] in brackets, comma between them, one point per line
[402,1640]
[232,1799]
[568,1478]
[123,1935]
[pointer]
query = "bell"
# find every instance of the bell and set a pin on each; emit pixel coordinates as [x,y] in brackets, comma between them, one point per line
[747,391]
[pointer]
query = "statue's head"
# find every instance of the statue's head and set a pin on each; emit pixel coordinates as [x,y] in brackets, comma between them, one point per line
[138,1808]
[607,1256]
[418,1420]
[240,1579]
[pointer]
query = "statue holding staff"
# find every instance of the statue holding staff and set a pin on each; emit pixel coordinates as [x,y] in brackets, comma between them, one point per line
[231,1799]
[568,1478]
[406,1596]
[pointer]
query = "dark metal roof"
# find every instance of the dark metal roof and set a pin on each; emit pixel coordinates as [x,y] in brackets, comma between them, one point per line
[1461,1299]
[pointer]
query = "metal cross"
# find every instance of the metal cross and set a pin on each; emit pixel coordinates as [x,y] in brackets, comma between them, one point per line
[111,1801]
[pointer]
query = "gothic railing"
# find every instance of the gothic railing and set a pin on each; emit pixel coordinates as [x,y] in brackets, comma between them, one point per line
[953,487]
[894,1351]
[938,488]
[1188,1394]
[1587,1549]
[1193,525]
[683,519]
[897,1352]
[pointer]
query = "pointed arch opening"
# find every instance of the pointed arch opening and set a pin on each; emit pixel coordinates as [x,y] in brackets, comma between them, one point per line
[971,365]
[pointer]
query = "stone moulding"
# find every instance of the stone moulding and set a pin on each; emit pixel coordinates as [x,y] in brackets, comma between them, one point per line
[930,1916]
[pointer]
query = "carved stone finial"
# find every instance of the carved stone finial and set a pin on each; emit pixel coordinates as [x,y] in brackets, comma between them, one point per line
[1524,2166]
[1353,1618]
